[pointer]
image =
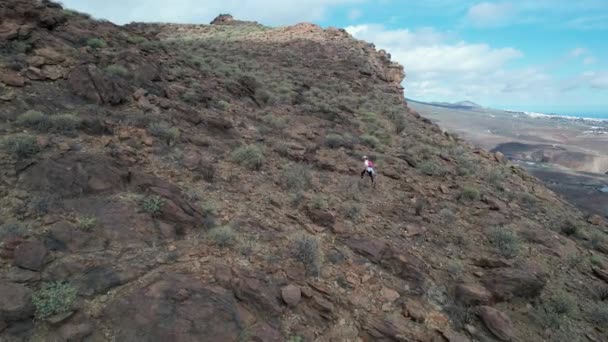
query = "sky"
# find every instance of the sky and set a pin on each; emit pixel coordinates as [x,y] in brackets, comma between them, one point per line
[541,55]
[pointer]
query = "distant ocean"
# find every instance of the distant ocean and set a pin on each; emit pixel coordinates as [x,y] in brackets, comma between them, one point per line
[591,116]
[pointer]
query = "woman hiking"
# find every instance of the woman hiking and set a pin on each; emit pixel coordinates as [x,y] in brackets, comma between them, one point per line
[369,168]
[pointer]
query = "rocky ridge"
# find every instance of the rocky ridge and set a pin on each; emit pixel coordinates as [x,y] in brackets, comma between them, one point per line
[200,183]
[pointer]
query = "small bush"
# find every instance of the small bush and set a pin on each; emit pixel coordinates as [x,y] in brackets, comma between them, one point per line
[96,43]
[65,123]
[136,40]
[306,249]
[562,303]
[117,70]
[87,222]
[527,198]
[598,240]
[250,156]
[595,260]
[208,172]
[598,314]
[296,199]
[468,194]
[223,236]
[153,205]
[505,241]
[370,140]
[34,120]
[601,293]
[447,216]
[319,202]
[163,130]
[21,146]
[296,177]
[496,177]
[352,211]
[466,166]
[430,168]
[570,227]
[337,141]
[54,298]
[274,122]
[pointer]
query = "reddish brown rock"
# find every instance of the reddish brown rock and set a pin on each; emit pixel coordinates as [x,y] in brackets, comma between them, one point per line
[75,332]
[389,295]
[497,322]
[12,79]
[500,157]
[9,30]
[30,255]
[91,83]
[595,220]
[473,294]
[291,294]
[525,281]
[415,310]
[35,61]
[322,218]
[191,160]
[51,57]
[601,273]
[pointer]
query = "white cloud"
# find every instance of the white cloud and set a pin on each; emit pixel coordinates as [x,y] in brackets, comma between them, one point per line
[488,14]
[579,51]
[354,14]
[589,60]
[270,12]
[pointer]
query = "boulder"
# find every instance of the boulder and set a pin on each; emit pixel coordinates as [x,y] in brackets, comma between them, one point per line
[15,302]
[525,281]
[291,294]
[75,332]
[91,83]
[176,307]
[259,295]
[500,157]
[191,160]
[407,266]
[595,220]
[370,248]
[30,255]
[321,217]
[497,322]
[389,295]
[8,30]
[11,79]
[50,56]
[473,294]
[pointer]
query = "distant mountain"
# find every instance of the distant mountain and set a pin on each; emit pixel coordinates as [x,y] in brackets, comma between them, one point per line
[455,105]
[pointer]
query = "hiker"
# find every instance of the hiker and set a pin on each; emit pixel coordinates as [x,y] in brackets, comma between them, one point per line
[369,168]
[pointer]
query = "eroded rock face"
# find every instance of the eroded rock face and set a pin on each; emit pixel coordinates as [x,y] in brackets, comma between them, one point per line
[524,281]
[30,255]
[497,322]
[91,83]
[178,308]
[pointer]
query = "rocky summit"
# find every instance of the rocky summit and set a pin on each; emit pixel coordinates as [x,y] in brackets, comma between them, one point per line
[202,183]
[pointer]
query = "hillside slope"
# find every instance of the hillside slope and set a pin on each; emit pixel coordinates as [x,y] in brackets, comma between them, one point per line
[201,183]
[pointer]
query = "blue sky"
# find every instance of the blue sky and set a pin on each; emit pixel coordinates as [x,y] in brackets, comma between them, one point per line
[542,55]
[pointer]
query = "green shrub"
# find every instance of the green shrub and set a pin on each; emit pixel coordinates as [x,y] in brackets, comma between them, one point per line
[153,205]
[596,260]
[319,202]
[466,166]
[117,70]
[96,43]
[598,314]
[65,123]
[505,241]
[496,177]
[352,211]
[87,222]
[274,122]
[597,240]
[306,249]
[370,140]
[447,216]
[527,198]
[21,146]
[54,298]
[210,208]
[468,194]
[163,130]
[136,40]
[570,227]
[430,168]
[296,177]
[562,304]
[337,140]
[249,156]
[34,120]
[223,236]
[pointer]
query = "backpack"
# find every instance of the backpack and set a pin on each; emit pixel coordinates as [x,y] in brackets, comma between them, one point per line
[371,164]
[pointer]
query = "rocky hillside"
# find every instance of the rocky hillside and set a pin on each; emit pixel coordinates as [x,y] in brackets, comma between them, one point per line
[201,183]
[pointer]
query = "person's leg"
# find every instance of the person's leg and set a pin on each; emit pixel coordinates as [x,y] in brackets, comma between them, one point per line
[363,173]
[371,176]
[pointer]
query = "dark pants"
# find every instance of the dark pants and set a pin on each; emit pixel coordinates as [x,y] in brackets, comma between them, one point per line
[370,173]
